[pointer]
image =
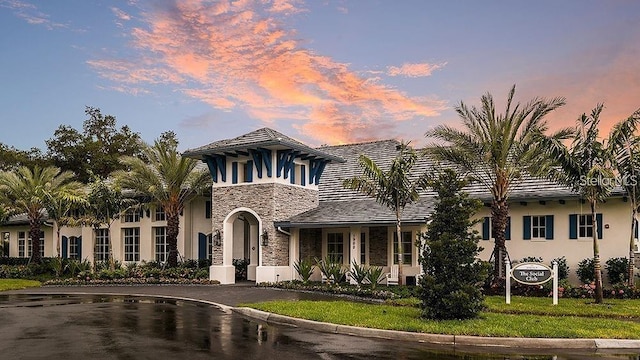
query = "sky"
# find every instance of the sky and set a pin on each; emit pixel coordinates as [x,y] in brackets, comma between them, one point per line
[323,72]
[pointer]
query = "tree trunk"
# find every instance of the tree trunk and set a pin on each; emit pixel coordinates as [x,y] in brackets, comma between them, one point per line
[631,265]
[173,224]
[499,214]
[58,239]
[34,234]
[400,247]
[597,268]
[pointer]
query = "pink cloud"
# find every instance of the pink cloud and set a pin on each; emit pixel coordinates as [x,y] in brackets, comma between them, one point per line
[239,55]
[414,70]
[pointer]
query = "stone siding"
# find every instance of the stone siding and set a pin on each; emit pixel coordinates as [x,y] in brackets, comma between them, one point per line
[272,202]
[311,244]
[378,246]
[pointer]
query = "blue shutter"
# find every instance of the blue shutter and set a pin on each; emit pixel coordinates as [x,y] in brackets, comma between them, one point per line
[207,209]
[507,229]
[526,227]
[485,228]
[549,227]
[65,247]
[79,240]
[249,174]
[234,172]
[202,246]
[573,226]
[599,223]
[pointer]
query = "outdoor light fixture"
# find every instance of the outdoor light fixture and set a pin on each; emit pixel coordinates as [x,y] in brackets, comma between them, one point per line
[265,237]
[217,238]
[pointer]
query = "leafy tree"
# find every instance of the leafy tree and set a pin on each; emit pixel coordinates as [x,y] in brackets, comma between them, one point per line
[451,285]
[394,188]
[59,211]
[584,167]
[12,158]
[495,149]
[624,146]
[32,192]
[96,149]
[168,180]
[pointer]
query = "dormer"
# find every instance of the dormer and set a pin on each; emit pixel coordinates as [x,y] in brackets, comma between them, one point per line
[263,156]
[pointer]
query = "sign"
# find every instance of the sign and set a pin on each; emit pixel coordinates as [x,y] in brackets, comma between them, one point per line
[531,273]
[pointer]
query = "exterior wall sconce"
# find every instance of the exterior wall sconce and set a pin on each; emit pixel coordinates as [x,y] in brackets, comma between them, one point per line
[265,238]
[217,238]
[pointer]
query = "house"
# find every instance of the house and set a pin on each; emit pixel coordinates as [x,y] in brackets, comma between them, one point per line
[275,200]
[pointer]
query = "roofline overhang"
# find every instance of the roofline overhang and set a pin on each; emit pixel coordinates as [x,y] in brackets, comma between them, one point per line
[336,224]
[199,154]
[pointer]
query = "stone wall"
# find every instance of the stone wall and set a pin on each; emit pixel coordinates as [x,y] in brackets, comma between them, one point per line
[378,246]
[311,244]
[272,202]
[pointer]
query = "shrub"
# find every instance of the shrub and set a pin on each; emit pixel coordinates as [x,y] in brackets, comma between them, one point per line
[617,271]
[375,275]
[241,266]
[304,268]
[332,271]
[451,284]
[359,273]
[585,271]
[563,268]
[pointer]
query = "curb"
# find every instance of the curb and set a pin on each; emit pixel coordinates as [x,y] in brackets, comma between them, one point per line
[438,339]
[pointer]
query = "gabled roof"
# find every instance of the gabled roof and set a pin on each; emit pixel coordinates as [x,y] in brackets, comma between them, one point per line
[260,138]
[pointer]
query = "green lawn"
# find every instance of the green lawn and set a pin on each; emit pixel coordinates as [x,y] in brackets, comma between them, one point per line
[16,284]
[524,317]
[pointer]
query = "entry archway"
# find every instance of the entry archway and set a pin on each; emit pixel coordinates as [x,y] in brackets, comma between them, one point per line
[241,238]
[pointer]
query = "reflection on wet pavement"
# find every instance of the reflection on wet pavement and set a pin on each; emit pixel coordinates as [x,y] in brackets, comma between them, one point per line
[127,327]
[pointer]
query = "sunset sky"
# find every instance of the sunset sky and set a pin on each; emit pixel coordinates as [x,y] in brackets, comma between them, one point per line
[324,72]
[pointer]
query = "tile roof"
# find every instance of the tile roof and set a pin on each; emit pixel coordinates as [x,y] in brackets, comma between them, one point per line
[340,206]
[259,138]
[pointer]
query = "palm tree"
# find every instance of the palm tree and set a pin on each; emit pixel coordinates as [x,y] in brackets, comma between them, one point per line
[585,167]
[624,145]
[32,192]
[58,210]
[495,149]
[106,204]
[169,180]
[394,188]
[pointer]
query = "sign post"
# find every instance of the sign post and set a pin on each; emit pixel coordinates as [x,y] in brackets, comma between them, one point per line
[532,273]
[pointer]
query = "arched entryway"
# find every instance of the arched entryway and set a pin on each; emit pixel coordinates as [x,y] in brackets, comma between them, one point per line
[242,229]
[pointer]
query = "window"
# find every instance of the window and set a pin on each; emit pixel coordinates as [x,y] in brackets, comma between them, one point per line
[131,244]
[487,229]
[131,215]
[407,247]
[102,244]
[537,227]
[207,209]
[159,214]
[582,226]
[22,238]
[585,226]
[335,247]
[162,250]
[247,171]
[41,246]
[5,244]
[74,247]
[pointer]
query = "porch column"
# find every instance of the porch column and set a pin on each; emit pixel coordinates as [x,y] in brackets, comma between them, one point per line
[354,248]
[225,273]
[294,250]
